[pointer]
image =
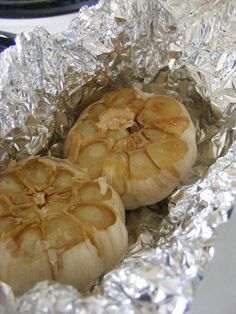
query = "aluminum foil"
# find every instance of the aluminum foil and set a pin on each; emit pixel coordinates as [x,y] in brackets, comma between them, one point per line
[184,49]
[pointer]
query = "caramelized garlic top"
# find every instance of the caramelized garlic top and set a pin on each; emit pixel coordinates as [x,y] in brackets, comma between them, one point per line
[57,224]
[143,144]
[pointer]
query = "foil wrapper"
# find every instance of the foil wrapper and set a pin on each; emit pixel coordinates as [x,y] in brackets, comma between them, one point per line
[185,50]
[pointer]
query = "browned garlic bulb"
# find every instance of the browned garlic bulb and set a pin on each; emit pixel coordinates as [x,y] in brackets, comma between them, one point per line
[56,224]
[143,144]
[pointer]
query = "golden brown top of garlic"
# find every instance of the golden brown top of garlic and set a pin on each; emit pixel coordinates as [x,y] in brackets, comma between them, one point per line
[128,137]
[47,208]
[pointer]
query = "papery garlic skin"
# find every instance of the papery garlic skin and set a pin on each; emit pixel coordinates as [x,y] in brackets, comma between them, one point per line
[57,224]
[143,144]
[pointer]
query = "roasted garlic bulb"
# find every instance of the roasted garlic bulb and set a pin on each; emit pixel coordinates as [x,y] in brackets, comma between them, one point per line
[143,144]
[56,224]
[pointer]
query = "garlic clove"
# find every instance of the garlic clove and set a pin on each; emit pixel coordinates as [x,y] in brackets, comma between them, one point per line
[92,192]
[64,179]
[58,202]
[144,183]
[175,126]
[93,111]
[78,266]
[160,107]
[24,261]
[92,158]
[116,170]
[28,240]
[109,231]
[37,174]
[110,243]
[121,98]
[166,152]
[93,216]
[87,131]
[140,165]
[154,135]
[62,232]
[9,183]
[115,202]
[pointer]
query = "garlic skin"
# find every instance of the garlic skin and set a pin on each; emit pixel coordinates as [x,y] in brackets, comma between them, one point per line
[143,144]
[57,224]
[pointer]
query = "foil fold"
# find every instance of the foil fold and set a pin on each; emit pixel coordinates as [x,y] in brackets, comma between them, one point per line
[185,50]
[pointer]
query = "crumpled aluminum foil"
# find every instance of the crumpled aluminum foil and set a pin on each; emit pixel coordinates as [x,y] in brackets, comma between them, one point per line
[184,49]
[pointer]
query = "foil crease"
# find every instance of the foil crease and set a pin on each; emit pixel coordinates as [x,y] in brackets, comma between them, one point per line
[186,50]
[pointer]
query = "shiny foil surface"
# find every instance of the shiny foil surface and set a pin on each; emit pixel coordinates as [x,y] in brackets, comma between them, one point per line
[183,49]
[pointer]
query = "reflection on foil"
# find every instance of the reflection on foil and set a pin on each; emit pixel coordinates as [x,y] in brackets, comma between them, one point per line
[185,50]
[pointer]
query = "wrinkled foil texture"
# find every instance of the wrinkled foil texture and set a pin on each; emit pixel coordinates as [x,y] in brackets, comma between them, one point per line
[184,49]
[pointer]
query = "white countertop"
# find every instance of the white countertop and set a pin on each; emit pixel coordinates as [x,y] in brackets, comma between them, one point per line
[53,24]
[216,294]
